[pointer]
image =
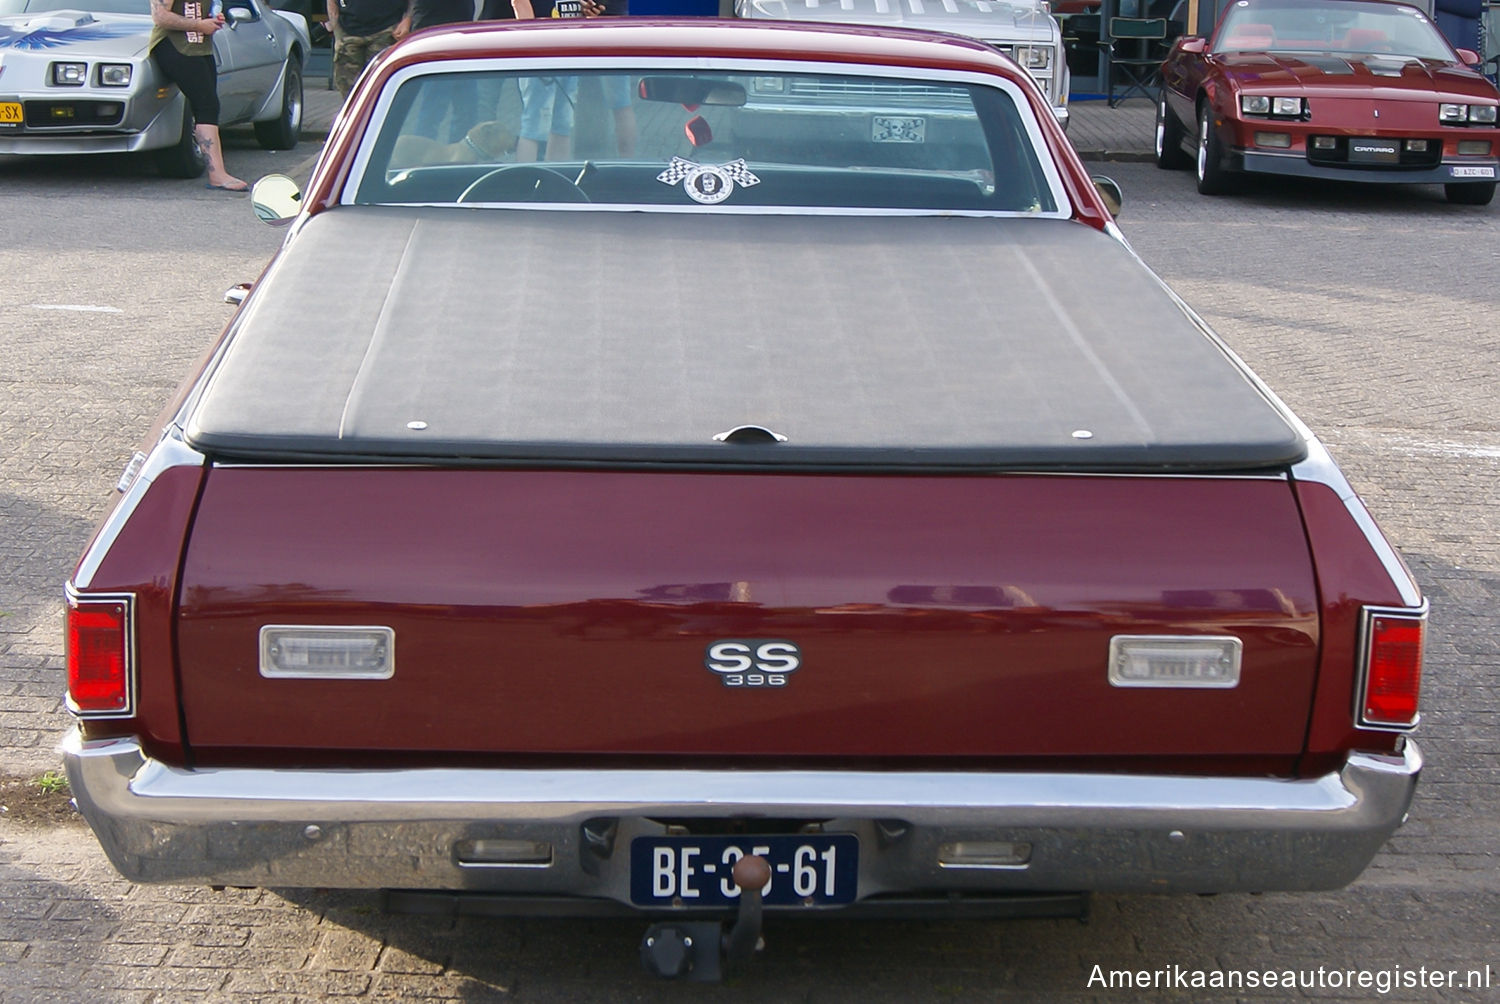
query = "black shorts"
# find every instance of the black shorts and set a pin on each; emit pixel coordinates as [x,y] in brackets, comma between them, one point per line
[195,76]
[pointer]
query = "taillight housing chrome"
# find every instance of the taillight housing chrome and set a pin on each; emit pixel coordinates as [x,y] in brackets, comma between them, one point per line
[1390,667]
[100,639]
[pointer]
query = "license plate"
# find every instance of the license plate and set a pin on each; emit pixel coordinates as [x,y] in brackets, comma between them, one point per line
[1363,150]
[1473,172]
[10,113]
[890,129]
[695,871]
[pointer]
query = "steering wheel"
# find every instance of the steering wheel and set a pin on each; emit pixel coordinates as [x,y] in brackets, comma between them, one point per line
[522,183]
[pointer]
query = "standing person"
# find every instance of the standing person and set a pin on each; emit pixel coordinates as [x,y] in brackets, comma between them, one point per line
[547,102]
[458,96]
[181,48]
[617,89]
[361,29]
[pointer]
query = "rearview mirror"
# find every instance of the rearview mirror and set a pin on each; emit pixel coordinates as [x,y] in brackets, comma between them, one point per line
[1469,57]
[1109,191]
[692,91]
[276,199]
[1193,45]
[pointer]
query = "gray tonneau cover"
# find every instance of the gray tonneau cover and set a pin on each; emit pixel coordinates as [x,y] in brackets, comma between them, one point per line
[529,336]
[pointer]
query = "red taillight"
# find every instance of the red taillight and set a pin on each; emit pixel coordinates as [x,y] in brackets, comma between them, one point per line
[1392,669]
[99,640]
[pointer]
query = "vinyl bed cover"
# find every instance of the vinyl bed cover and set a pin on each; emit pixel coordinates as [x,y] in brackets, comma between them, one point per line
[537,338]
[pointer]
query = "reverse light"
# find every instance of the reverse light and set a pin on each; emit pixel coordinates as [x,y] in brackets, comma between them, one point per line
[70,74]
[100,640]
[327,652]
[1390,667]
[984,854]
[1186,661]
[489,853]
[114,74]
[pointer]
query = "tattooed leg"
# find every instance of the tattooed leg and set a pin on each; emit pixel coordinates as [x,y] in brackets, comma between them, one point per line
[208,141]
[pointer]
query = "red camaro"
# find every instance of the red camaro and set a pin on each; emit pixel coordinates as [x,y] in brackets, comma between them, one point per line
[1358,90]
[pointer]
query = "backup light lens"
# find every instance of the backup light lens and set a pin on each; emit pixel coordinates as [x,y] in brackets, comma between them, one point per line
[489,853]
[70,74]
[1392,671]
[327,652]
[1174,661]
[984,854]
[100,644]
[115,74]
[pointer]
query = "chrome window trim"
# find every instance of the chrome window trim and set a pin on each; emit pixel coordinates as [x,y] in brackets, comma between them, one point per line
[736,66]
[170,451]
[1362,648]
[74,598]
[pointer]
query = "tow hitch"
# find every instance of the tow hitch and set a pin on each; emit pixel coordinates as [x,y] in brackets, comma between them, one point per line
[699,950]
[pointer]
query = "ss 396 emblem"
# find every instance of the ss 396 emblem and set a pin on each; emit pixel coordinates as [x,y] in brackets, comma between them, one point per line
[753,662]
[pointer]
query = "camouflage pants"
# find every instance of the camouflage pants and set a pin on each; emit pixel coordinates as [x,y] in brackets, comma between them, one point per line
[352,52]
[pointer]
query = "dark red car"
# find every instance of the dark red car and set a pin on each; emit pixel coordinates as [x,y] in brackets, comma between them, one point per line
[730,504]
[1356,90]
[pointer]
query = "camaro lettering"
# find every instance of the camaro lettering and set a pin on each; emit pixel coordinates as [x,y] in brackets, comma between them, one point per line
[753,662]
[1373,149]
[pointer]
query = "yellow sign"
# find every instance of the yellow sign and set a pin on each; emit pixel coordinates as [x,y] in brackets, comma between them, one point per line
[10,111]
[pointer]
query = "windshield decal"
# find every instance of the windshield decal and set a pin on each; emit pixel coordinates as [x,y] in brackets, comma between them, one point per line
[709,184]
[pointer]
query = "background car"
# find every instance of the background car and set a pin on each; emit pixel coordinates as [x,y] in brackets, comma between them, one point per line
[1357,90]
[1025,30]
[78,79]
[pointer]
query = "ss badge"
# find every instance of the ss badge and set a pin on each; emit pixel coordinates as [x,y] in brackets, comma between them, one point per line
[753,662]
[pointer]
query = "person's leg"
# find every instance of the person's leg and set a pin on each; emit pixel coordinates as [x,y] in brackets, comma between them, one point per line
[537,99]
[197,78]
[617,99]
[560,139]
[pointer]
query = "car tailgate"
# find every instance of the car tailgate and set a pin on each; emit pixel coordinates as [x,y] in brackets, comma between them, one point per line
[565,612]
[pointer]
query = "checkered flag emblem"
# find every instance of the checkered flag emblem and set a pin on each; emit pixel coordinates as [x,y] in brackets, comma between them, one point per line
[677,170]
[740,174]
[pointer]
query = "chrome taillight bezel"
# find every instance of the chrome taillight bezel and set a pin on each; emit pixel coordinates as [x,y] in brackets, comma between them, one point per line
[1367,617]
[77,601]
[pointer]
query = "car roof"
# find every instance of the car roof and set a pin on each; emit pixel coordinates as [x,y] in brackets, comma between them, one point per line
[669,37]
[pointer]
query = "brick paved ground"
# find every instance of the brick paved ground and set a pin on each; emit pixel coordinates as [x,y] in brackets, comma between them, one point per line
[1374,314]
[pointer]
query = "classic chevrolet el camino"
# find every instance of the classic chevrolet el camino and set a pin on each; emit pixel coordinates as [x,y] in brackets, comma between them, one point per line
[686,525]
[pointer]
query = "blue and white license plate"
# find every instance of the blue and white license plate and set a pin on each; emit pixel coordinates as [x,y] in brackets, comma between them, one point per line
[695,871]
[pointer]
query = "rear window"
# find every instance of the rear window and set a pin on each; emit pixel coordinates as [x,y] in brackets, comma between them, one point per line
[652,137]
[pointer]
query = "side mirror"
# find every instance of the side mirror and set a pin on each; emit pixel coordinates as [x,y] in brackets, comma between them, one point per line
[1193,45]
[1109,191]
[276,199]
[234,15]
[1469,57]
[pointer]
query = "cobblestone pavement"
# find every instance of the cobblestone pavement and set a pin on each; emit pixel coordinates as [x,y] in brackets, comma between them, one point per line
[1374,313]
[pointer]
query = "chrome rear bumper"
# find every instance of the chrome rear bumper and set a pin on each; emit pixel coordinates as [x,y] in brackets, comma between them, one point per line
[399,828]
